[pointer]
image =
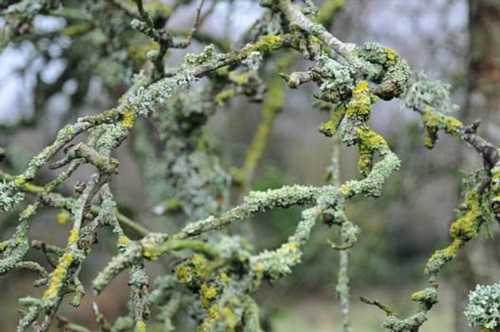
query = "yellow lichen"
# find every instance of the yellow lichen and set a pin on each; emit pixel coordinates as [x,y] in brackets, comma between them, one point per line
[392,56]
[329,128]
[63,217]
[463,229]
[208,293]
[20,180]
[452,125]
[123,240]
[128,119]
[360,104]
[32,188]
[345,190]
[225,278]
[430,118]
[365,160]
[193,271]
[452,250]
[199,262]
[435,121]
[140,326]
[214,312]
[265,44]
[371,139]
[230,318]
[184,274]
[467,226]
[369,143]
[361,88]
[418,296]
[440,257]
[150,251]
[74,234]
[291,246]
[259,268]
[58,277]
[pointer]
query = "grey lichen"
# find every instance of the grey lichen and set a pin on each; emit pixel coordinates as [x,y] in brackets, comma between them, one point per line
[483,308]
[410,324]
[196,182]
[424,93]
[384,66]
[147,100]
[278,263]
[10,195]
[338,78]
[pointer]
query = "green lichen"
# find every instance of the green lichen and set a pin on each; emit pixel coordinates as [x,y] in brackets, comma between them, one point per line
[194,271]
[391,56]
[495,189]
[378,54]
[329,128]
[467,226]
[440,257]
[265,44]
[427,297]
[386,68]
[464,229]
[369,143]
[208,294]
[434,122]
[359,107]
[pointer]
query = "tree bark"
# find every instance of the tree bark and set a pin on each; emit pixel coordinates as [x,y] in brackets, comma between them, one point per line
[482,101]
[484,64]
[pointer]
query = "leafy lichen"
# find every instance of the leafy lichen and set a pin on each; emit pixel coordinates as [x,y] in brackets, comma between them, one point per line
[483,308]
[10,195]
